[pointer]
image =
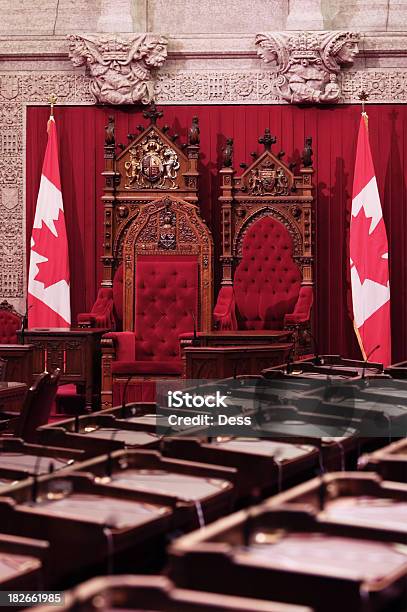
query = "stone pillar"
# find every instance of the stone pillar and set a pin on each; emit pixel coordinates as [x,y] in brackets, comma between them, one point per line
[361,14]
[116,16]
[305,15]
[397,20]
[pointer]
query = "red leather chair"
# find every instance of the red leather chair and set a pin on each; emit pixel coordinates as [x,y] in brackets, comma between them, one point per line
[107,311]
[167,293]
[37,407]
[266,291]
[166,304]
[10,323]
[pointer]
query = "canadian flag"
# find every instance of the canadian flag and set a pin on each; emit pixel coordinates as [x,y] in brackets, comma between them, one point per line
[48,277]
[369,258]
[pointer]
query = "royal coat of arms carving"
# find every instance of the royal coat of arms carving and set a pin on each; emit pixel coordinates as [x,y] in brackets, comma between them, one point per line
[268,179]
[122,68]
[307,65]
[153,164]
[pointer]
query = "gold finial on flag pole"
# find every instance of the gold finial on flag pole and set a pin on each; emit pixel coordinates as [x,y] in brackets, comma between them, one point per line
[52,101]
[363,97]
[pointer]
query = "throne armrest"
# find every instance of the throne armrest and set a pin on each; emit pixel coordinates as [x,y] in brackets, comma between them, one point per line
[224,314]
[120,345]
[302,309]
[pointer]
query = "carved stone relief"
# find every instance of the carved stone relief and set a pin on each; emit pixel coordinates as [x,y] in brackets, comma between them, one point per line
[121,68]
[307,64]
[260,87]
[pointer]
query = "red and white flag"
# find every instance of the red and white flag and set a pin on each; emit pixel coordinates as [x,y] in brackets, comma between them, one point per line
[369,258]
[48,278]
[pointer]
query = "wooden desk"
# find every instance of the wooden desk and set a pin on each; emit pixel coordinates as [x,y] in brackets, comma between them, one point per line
[294,557]
[12,396]
[240,337]
[19,362]
[206,362]
[75,351]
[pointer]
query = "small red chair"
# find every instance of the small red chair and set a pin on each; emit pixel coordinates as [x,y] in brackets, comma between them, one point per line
[10,323]
[266,291]
[107,311]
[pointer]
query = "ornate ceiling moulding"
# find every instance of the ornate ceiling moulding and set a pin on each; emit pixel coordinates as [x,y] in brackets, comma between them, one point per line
[122,67]
[307,65]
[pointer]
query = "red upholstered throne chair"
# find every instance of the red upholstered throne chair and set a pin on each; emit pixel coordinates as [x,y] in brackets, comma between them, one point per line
[10,323]
[166,253]
[267,236]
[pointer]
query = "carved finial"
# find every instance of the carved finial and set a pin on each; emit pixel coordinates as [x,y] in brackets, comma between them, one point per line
[307,152]
[52,101]
[363,97]
[193,135]
[254,155]
[165,128]
[292,166]
[140,128]
[109,132]
[280,154]
[174,137]
[152,113]
[267,139]
[228,153]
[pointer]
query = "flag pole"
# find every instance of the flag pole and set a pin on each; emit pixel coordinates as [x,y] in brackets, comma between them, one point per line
[363,97]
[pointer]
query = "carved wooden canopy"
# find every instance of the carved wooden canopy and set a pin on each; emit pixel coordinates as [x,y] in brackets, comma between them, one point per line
[151,207]
[267,187]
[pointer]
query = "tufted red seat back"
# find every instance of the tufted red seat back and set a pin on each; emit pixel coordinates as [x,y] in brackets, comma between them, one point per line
[267,280]
[9,324]
[166,297]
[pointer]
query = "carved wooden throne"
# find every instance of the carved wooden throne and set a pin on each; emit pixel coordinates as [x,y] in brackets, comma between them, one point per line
[155,235]
[267,244]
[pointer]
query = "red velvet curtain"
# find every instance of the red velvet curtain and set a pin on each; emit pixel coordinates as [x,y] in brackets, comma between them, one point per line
[333,129]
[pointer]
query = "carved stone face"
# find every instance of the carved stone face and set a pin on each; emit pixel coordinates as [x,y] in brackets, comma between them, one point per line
[347,53]
[157,55]
[267,53]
